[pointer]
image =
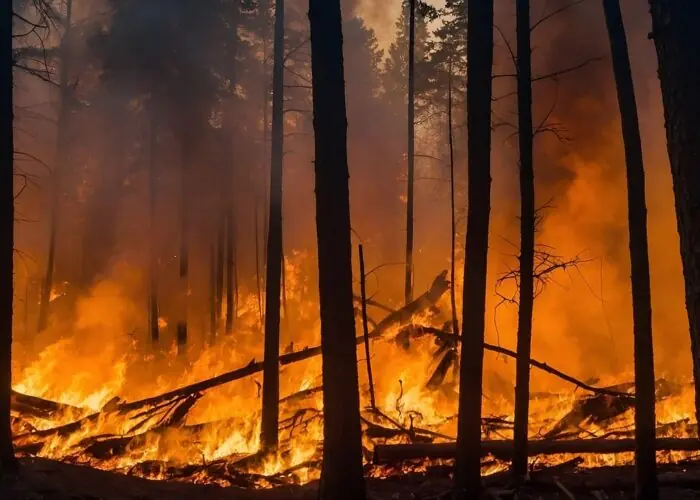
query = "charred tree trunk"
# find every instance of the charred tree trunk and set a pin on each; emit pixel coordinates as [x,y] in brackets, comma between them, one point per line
[270,403]
[645,391]
[342,477]
[411,151]
[527,239]
[7,214]
[153,254]
[453,222]
[480,61]
[184,243]
[231,285]
[365,330]
[219,284]
[675,31]
[59,167]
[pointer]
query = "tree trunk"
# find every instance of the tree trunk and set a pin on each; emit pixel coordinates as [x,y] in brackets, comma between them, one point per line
[453,222]
[270,398]
[480,61]
[645,391]
[184,243]
[7,456]
[365,330]
[527,239]
[675,31]
[231,285]
[411,151]
[220,285]
[153,254]
[59,167]
[342,476]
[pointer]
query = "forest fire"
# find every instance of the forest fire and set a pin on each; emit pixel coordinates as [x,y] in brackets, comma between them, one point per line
[211,434]
[348,249]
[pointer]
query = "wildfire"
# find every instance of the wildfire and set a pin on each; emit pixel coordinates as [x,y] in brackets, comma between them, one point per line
[214,436]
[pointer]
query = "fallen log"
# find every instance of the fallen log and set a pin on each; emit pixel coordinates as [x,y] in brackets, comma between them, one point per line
[45,409]
[503,449]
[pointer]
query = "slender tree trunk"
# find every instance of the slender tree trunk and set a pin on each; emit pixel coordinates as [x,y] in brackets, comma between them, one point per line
[221,260]
[270,403]
[59,167]
[153,254]
[184,245]
[258,272]
[453,222]
[365,330]
[231,285]
[527,239]
[7,456]
[479,92]
[645,391]
[342,445]
[213,283]
[411,150]
[675,31]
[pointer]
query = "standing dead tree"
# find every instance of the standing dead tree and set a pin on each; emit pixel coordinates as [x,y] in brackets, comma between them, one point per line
[408,287]
[65,101]
[270,398]
[645,391]
[677,39]
[467,477]
[342,476]
[527,237]
[7,215]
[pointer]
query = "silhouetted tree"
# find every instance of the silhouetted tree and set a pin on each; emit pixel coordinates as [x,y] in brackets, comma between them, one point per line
[66,96]
[270,397]
[408,286]
[645,391]
[7,214]
[527,237]
[677,39]
[342,476]
[479,91]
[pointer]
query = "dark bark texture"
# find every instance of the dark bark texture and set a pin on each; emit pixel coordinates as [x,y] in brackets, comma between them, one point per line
[270,408]
[677,39]
[342,476]
[411,150]
[480,56]
[527,238]
[645,391]
[7,214]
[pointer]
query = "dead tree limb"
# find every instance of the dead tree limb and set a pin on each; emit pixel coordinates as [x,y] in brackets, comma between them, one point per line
[503,449]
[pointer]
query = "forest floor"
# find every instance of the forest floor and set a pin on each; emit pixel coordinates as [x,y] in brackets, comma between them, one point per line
[40,479]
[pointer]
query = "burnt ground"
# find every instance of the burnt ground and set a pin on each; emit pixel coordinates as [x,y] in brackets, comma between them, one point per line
[40,479]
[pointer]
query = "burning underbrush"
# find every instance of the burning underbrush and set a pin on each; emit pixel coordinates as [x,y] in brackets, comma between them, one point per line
[201,422]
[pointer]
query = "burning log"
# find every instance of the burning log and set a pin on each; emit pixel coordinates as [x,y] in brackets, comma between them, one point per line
[41,408]
[397,318]
[503,449]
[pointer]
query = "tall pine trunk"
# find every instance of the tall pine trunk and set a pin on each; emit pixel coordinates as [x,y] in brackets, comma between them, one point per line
[479,64]
[408,291]
[7,214]
[185,167]
[152,253]
[270,397]
[66,96]
[231,285]
[527,238]
[342,476]
[453,222]
[645,391]
[677,39]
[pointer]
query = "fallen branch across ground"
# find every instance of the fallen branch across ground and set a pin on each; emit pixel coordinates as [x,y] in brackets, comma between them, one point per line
[419,330]
[503,449]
